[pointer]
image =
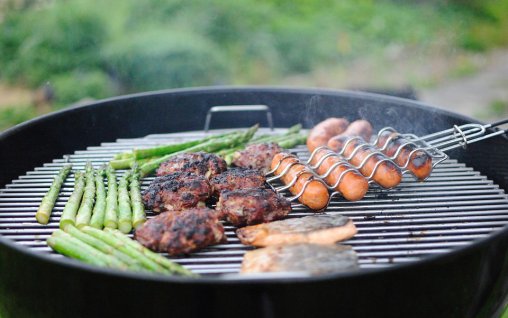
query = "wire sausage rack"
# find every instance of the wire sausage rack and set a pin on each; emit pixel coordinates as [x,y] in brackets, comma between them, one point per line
[432,145]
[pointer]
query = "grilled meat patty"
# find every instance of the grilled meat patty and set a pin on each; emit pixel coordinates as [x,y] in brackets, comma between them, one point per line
[309,258]
[176,191]
[237,178]
[252,206]
[316,229]
[257,156]
[200,163]
[181,232]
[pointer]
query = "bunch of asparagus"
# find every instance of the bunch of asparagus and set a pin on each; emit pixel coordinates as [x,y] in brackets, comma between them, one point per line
[110,248]
[225,145]
[89,204]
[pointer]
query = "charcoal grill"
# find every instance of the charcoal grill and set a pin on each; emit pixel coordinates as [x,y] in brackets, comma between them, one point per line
[435,248]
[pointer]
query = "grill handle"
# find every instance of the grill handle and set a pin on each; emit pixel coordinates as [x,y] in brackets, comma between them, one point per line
[238,108]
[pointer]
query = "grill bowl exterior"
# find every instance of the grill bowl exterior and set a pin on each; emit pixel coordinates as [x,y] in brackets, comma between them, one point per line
[468,282]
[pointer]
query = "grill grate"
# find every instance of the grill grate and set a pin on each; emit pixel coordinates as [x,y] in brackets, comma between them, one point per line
[452,208]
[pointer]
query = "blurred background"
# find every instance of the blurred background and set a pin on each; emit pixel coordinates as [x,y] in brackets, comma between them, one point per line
[55,53]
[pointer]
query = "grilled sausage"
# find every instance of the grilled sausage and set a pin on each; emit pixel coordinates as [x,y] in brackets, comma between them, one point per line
[322,132]
[420,163]
[353,186]
[315,195]
[387,174]
[358,128]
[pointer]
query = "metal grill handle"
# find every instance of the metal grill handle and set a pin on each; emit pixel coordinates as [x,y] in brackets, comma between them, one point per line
[238,108]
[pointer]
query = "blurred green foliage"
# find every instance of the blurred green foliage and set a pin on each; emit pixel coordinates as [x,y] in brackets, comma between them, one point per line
[102,48]
[10,116]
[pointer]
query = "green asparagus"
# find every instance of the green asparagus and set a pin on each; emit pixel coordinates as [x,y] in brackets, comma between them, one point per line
[99,208]
[132,263]
[122,163]
[159,259]
[111,217]
[48,202]
[209,146]
[138,209]
[70,246]
[85,209]
[128,159]
[291,142]
[266,138]
[124,204]
[72,205]
[120,245]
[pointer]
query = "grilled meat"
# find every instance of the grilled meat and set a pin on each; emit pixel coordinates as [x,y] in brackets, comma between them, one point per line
[176,191]
[310,258]
[315,229]
[257,156]
[237,178]
[252,206]
[200,163]
[181,232]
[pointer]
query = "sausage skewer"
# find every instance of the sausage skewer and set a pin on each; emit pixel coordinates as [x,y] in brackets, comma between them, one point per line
[371,162]
[405,153]
[300,181]
[339,174]
[358,128]
[322,132]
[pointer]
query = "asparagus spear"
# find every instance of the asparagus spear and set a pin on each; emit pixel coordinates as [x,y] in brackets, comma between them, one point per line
[118,164]
[67,245]
[128,159]
[120,245]
[123,155]
[111,217]
[72,205]
[138,209]
[164,150]
[291,130]
[209,146]
[291,142]
[85,209]
[48,202]
[99,208]
[159,259]
[132,263]
[124,204]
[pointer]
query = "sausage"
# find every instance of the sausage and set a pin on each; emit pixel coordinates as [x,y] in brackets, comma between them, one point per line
[353,186]
[420,163]
[322,132]
[315,195]
[358,128]
[387,174]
